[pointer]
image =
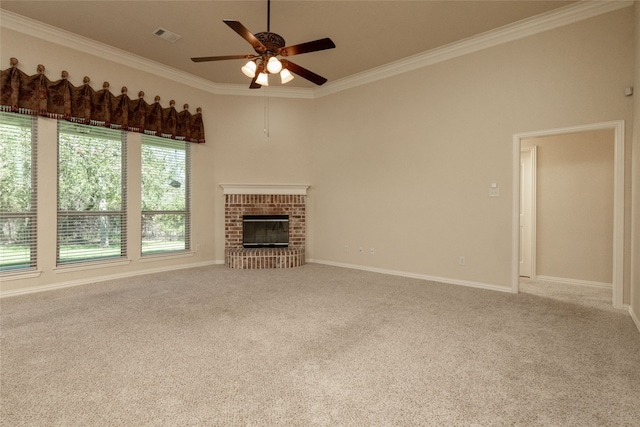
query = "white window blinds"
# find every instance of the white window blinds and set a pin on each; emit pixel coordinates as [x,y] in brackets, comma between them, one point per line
[18,192]
[166,195]
[92,182]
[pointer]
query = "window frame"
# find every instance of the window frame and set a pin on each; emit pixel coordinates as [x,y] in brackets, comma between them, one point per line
[187,212]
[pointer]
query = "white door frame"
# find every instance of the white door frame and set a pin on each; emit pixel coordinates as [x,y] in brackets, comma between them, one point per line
[532,214]
[618,202]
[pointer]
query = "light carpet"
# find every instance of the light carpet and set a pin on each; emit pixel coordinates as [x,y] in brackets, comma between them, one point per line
[312,346]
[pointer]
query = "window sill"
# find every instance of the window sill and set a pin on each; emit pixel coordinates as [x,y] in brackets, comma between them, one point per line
[6,276]
[163,257]
[90,266]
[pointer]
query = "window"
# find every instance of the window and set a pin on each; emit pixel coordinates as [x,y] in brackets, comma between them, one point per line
[91,193]
[18,192]
[166,190]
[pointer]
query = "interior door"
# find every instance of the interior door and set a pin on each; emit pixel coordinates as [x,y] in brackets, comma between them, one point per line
[527,214]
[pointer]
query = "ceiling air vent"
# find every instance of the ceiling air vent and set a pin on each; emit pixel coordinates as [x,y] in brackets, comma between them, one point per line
[166,34]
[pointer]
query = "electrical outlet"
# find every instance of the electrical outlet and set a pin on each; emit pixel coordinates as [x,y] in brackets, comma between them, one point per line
[461,261]
[360,250]
[372,251]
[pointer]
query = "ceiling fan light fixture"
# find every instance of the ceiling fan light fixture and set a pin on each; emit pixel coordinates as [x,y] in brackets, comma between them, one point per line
[249,69]
[273,65]
[285,76]
[263,79]
[268,46]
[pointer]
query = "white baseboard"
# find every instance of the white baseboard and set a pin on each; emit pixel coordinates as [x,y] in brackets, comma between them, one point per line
[446,280]
[575,282]
[95,279]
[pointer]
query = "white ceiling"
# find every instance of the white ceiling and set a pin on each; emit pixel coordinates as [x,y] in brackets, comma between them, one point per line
[367,34]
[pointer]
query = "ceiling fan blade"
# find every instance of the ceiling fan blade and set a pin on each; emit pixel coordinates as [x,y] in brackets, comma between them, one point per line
[245,34]
[313,46]
[221,58]
[304,73]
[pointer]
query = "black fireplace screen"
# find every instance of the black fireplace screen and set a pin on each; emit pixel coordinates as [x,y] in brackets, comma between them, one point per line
[265,231]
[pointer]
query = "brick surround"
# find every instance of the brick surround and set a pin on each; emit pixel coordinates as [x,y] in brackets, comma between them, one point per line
[237,205]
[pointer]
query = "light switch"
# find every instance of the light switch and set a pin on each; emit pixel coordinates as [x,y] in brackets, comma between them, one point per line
[494,191]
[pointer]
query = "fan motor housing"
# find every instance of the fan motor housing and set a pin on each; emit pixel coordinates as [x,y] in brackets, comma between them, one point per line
[271,41]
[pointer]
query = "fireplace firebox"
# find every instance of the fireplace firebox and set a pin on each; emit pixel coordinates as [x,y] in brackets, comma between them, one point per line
[265,231]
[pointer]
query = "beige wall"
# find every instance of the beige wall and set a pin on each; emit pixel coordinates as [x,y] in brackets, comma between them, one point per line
[635,237]
[574,227]
[407,162]
[244,154]
[403,165]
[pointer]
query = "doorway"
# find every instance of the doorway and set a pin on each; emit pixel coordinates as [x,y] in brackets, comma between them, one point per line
[520,254]
[527,253]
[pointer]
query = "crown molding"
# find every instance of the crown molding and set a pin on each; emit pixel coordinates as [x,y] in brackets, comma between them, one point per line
[537,24]
[547,21]
[43,31]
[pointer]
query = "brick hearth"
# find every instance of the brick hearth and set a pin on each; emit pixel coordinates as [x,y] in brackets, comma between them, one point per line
[242,200]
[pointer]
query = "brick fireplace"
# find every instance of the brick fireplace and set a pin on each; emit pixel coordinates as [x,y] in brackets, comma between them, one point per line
[264,199]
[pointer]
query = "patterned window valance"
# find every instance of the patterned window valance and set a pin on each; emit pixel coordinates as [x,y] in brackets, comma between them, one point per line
[37,95]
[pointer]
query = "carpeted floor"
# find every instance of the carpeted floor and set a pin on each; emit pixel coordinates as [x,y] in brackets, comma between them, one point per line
[313,346]
[588,296]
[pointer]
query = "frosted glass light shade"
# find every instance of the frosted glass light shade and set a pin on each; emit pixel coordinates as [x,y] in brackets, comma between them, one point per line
[273,65]
[249,69]
[285,76]
[263,79]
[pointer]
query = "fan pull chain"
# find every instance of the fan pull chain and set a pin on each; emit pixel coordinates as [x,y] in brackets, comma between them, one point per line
[266,92]
[266,112]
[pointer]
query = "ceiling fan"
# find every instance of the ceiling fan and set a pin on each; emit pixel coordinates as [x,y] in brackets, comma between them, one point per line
[268,47]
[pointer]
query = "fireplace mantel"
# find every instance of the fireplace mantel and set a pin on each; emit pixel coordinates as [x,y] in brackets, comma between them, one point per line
[266,189]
